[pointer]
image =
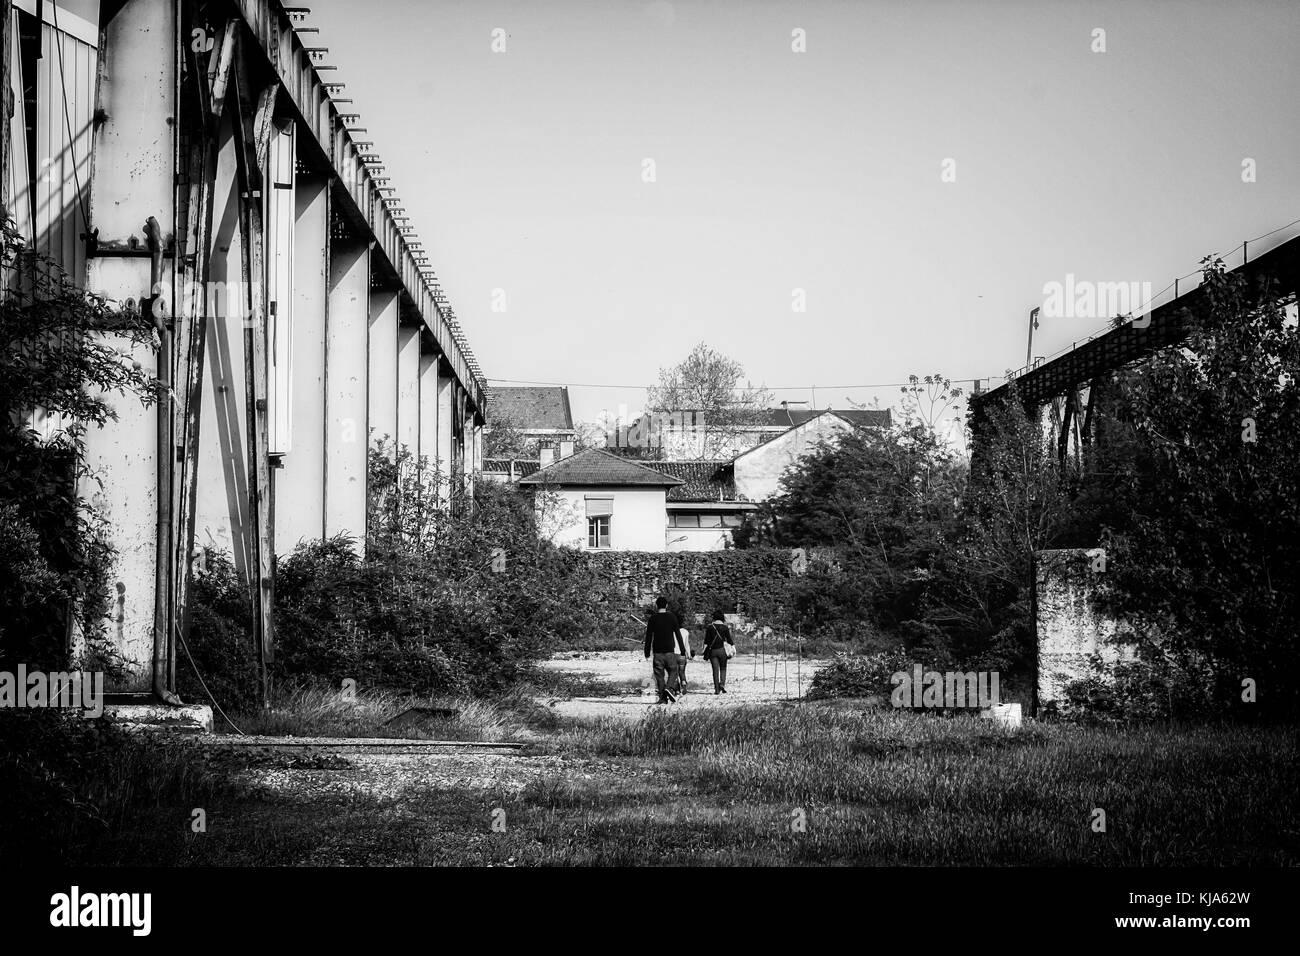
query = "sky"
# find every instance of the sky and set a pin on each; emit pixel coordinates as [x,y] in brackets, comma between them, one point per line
[914,177]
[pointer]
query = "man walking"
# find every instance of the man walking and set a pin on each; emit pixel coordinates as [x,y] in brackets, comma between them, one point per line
[663,641]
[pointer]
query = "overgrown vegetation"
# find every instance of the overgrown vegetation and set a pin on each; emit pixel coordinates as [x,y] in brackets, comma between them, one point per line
[1187,480]
[450,593]
[59,374]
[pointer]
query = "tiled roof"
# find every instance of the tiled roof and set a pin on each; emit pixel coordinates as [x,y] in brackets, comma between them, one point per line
[529,406]
[596,467]
[704,480]
[790,418]
[523,466]
[785,419]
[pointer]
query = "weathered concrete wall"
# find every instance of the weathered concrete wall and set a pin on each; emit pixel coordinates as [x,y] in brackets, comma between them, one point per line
[347,388]
[758,471]
[1070,631]
[383,366]
[135,91]
[445,447]
[428,399]
[300,484]
[408,387]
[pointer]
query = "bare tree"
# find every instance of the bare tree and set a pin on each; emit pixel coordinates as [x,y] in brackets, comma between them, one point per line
[702,401]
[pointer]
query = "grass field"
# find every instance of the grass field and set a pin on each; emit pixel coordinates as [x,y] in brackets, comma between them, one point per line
[828,783]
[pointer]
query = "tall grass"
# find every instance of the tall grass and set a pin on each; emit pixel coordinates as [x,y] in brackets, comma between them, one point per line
[896,787]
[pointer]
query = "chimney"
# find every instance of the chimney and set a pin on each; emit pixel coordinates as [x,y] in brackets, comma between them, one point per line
[566,447]
[548,456]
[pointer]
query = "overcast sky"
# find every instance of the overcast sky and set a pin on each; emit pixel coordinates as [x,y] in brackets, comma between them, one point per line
[821,170]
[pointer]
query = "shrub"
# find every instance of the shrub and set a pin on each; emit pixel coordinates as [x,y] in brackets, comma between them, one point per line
[1139,690]
[855,675]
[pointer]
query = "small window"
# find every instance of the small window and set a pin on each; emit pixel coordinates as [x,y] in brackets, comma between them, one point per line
[710,521]
[686,521]
[598,532]
[731,521]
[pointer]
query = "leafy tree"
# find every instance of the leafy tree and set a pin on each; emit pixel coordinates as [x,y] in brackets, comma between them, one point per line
[1202,448]
[505,439]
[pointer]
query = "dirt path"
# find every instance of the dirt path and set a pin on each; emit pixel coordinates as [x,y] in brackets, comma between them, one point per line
[750,680]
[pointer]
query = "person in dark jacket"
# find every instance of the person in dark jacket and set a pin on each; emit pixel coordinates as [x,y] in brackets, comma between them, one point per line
[715,636]
[664,643]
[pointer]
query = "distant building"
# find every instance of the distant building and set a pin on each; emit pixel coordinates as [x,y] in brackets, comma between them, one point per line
[690,434]
[758,470]
[541,414]
[605,502]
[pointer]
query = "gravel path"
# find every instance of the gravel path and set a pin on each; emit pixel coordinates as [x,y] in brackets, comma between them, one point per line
[750,680]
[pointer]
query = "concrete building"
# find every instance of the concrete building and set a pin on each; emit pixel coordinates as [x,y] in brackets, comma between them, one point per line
[297,317]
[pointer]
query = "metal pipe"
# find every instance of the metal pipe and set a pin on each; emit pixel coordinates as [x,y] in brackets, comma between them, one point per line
[163,535]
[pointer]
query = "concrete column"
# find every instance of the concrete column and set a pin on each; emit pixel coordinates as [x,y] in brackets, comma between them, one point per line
[300,484]
[347,388]
[445,386]
[429,408]
[221,506]
[132,149]
[408,387]
[383,367]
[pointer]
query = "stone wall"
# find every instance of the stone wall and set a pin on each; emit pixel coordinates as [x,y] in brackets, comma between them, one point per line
[1070,631]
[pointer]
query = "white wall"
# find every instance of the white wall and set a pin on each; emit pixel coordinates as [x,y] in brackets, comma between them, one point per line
[638,522]
[698,539]
[346,387]
[300,484]
[758,472]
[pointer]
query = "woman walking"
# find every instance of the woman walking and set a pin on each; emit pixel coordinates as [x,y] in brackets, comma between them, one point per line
[717,640]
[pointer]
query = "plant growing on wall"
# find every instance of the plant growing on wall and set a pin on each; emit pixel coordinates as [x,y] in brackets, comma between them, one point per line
[58,375]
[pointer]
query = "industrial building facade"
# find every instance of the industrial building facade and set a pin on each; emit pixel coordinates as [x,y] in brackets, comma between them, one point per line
[187,159]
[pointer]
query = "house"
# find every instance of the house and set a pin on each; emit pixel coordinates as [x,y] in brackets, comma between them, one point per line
[541,414]
[703,510]
[598,501]
[601,500]
[697,434]
[758,471]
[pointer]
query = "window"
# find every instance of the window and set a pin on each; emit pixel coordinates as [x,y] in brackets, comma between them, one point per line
[683,521]
[731,521]
[598,532]
[710,521]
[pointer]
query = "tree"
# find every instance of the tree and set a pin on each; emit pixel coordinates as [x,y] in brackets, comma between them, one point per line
[1204,559]
[707,384]
[886,500]
[503,438]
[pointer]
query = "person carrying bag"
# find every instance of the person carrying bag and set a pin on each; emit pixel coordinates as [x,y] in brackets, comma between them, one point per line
[718,649]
